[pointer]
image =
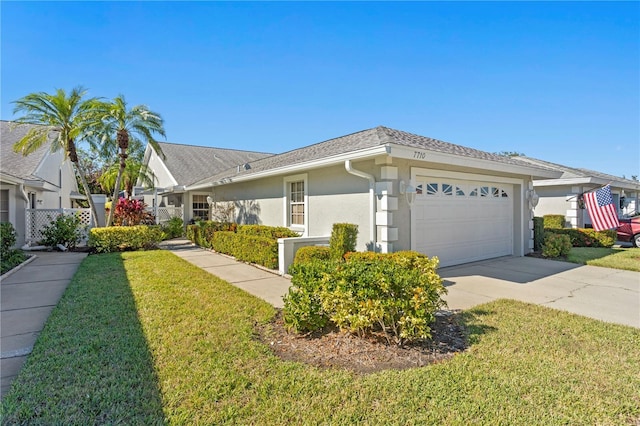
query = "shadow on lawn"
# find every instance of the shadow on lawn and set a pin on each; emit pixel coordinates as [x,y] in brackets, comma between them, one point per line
[91,363]
[474,324]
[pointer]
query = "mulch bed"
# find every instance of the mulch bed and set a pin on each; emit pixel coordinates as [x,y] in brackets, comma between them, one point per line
[332,348]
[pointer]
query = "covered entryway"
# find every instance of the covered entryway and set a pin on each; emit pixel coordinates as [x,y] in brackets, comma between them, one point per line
[462,220]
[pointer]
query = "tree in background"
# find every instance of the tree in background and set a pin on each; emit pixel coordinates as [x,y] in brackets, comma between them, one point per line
[67,116]
[134,170]
[118,126]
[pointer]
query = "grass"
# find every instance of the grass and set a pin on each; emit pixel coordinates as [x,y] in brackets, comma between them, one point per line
[146,338]
[617,258]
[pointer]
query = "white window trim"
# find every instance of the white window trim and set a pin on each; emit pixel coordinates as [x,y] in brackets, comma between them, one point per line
[192,201]
[286,205]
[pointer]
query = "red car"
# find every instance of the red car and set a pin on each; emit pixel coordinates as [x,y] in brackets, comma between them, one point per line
[629,230]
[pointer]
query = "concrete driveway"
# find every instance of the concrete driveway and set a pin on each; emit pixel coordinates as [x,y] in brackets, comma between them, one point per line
[606,294]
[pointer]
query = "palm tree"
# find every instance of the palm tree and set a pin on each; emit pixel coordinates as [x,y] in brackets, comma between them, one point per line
[69,116]
[134,171]
[127,124]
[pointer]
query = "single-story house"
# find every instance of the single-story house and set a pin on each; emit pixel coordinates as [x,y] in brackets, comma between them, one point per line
[184,165]
[563,195]
[41,180]
[404,191]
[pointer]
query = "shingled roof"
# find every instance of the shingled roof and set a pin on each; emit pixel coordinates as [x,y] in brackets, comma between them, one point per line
[581,173]
[15,164]
[190,163]
[370,138]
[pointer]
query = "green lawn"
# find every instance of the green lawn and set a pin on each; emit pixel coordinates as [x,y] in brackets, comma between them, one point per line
[146,338]
[617,258]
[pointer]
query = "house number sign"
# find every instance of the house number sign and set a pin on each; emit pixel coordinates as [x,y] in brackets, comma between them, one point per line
[420,155]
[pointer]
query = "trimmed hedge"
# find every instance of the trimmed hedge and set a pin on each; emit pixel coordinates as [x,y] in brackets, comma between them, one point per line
[397,293]
[249,243]
[202,233]
[586,237]
[267,231]
[122,238]
[343,239]
[554,221]
[556,245]
[247,248]
[311,253]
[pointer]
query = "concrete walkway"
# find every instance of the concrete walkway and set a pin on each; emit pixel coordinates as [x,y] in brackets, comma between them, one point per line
[27,297]
[260,282]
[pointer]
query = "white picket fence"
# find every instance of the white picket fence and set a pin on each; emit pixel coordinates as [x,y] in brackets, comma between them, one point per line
[37,219]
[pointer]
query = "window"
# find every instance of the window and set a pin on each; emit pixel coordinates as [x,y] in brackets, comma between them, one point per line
[295,188]
[200,207]
[4,205]
[296,203]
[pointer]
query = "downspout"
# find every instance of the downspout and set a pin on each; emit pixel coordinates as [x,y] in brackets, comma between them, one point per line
[372,199]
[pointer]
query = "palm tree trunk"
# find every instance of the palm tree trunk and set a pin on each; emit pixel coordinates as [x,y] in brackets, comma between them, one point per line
[87,191]
[123,144]
[115,197]
[73,156]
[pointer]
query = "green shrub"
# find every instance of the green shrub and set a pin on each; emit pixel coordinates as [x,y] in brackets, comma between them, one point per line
[556,245]
[8,237]
[273,232]
[553,221]
[311,253]
[64,229]
[174,228]
[396,293]
[122,238]
[343,239]
[201,233]
[587,237]
[10,259]
[247,248]
[538,233]
[303,310]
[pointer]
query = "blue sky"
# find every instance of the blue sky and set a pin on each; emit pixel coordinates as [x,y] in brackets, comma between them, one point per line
[558,81]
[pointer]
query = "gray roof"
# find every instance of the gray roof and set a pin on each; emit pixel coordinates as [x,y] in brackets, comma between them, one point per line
[573,173]
[190,163]
[16,164]
[371,138]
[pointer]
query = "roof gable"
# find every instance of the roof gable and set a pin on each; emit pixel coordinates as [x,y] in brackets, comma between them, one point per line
[15,164]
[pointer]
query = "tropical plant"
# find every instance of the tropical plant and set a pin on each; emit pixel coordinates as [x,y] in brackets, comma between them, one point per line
[65,230]
[67,117]
[131,213]
[133,171]
[116,120]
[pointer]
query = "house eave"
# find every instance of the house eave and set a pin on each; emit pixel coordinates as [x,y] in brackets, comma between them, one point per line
[417,154]
[296,168]
[41,184]
[587,180]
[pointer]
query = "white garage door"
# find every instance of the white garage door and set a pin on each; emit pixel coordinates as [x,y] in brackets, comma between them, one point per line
[462,220]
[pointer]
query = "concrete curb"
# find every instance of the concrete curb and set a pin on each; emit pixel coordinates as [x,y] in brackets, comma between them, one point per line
[10,272]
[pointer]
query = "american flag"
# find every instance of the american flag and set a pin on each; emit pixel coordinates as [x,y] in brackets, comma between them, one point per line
[602,211]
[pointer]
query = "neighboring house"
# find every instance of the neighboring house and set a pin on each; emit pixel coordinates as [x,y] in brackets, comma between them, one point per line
[563,195]
[404,191]
[184,165]
[41,180]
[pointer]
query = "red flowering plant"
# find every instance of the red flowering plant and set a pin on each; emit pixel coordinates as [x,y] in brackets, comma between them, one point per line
[131,213]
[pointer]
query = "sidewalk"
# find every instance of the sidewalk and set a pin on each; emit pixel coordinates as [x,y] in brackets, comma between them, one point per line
[259,282]
[27,297]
